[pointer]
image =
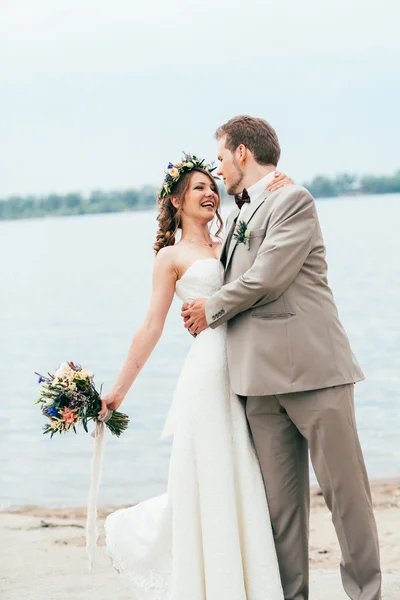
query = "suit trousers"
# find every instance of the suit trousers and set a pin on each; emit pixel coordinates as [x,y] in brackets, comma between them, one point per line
[283,427]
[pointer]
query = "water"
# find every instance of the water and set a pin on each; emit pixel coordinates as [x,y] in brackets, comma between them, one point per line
[76,288]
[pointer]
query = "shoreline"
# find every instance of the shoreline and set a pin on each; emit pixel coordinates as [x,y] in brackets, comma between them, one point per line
[84,210]
[384,492]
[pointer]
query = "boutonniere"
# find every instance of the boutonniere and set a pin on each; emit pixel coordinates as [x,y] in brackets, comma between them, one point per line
[242,234]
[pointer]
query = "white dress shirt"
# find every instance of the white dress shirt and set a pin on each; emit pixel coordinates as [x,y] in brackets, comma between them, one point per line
[255,192]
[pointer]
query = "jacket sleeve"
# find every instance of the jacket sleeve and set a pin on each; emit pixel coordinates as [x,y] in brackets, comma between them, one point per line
[287,243]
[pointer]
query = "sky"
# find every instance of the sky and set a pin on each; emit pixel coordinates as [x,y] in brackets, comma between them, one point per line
[103,94]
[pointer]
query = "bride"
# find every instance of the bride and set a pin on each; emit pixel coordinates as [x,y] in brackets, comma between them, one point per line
[209,537]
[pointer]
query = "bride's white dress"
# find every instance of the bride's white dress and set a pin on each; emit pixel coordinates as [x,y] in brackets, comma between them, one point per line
[209,537]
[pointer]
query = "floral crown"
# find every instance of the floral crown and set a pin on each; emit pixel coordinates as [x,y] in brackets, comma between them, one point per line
[175,172]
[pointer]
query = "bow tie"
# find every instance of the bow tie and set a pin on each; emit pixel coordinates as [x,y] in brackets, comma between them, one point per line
[242,198]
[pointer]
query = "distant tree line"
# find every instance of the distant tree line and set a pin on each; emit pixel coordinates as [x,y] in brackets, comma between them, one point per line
[24,207]
[346,184]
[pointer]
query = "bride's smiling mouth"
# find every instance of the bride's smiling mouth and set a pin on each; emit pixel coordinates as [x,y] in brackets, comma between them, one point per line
[208,204]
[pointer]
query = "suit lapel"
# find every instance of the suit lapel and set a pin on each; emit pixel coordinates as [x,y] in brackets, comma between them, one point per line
[248,215]
[230,226]
[254,206]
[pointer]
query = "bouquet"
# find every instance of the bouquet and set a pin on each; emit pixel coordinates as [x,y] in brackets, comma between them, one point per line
[69,397]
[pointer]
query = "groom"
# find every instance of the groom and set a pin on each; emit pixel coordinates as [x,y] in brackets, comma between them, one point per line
[290,361]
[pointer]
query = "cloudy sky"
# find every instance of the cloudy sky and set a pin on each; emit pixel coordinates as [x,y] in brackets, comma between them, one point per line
[102,94]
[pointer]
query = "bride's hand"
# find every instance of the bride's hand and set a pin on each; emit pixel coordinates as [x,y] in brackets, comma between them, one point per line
[109,401]
[279,181]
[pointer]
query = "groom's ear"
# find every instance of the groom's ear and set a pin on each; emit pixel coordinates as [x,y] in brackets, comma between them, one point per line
[242,153]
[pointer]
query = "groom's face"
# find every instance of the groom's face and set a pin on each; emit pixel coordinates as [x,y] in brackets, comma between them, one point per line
[229,169]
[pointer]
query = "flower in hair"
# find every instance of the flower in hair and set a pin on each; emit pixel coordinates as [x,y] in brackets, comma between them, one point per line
[175,172]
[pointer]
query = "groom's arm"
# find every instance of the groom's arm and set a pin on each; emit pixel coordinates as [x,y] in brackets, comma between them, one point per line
[278,261]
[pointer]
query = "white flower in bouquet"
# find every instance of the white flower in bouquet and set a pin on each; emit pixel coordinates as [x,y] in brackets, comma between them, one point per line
[64,371]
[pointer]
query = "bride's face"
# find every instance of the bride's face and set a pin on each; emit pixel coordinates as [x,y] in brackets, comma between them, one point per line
[201,199]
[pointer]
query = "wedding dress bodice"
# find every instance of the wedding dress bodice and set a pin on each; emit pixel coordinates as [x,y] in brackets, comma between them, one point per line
[203,278]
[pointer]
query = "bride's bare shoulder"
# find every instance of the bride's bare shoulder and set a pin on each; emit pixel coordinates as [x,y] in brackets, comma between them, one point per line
[166,254]
[167,259]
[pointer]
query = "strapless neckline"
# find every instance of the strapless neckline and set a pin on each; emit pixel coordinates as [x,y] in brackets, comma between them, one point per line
[193,264]
[202,279]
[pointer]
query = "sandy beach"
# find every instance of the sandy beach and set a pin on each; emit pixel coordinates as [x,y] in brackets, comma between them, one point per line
[42,552]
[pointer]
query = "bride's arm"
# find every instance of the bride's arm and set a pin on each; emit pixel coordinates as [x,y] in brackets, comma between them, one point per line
[148,334]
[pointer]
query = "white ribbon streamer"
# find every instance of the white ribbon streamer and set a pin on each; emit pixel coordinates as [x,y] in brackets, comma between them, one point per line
[92,533]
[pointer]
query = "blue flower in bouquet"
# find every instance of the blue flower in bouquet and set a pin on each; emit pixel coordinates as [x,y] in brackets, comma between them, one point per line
[40,379]
[51,411]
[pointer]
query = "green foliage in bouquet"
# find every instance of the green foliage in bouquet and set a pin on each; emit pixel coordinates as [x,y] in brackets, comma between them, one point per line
[69,397]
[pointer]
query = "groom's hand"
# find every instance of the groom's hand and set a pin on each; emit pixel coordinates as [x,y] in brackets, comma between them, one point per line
[194,316]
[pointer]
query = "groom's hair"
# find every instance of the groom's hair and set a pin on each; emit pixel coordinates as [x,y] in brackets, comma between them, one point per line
[256,134]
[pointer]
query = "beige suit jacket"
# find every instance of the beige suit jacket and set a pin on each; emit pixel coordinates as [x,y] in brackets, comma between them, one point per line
[284,332]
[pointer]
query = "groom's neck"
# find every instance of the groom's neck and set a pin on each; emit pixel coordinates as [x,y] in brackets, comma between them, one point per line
[255,172]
